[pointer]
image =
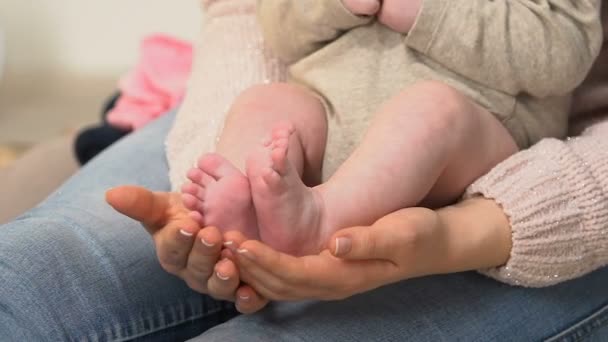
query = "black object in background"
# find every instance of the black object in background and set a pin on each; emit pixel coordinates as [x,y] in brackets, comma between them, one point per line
[94,139]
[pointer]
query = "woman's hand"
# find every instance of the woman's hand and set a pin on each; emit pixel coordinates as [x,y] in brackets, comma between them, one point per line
[192,254]
[409,243]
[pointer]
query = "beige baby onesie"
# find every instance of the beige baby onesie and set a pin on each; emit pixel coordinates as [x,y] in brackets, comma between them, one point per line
[518,59]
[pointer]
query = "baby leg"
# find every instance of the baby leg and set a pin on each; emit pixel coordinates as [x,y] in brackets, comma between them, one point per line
[427,143]
[219,193]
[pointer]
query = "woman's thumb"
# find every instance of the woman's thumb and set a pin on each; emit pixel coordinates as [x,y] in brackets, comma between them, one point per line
[360,243]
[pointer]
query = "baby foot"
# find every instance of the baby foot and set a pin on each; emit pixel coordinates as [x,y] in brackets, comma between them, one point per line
[362,7]
[290,215]
[219,196]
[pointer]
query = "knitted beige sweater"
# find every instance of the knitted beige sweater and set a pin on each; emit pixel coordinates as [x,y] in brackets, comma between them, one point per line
[555,194]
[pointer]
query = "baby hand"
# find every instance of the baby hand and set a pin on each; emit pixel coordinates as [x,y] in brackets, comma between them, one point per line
[399,15]
[362,7]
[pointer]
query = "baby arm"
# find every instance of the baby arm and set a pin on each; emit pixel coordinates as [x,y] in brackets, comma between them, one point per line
[543,48]
[362,7]
[399,15]
[295,29]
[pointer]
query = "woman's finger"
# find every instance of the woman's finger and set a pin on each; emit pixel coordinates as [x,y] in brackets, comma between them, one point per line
[140,204]
[203,256]
[224,280]
[320,276]
[280,276]
[357,243]
[368,243]
[233,239]
[248,300]
[265,283]
[259,285]
[306,270]
[404,229]
[287,268]
[173,235]
[173,245]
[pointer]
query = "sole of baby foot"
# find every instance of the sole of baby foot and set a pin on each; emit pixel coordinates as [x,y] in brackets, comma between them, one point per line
[290,214]
[220,196]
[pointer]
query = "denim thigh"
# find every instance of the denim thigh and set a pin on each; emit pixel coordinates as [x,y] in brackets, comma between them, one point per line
[456,307]
[73,269]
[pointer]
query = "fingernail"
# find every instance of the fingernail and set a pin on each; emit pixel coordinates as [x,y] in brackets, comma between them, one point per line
[207,243]
[343,246]
[244,252]
[230,245]
[185,233]
[221,276]
[244,298]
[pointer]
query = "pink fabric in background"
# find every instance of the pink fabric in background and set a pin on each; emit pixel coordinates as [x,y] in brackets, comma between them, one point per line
[156,84]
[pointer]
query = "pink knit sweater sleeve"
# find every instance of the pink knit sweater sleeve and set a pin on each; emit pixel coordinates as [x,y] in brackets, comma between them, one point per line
[556,197]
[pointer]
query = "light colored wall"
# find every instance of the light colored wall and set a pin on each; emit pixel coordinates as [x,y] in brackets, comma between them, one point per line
[63,58]
[87,36]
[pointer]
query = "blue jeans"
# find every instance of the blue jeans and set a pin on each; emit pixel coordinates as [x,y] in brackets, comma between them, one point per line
[73,269]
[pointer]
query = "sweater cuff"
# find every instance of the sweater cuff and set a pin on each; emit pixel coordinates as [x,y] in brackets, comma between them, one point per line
[557,208]
[427,24]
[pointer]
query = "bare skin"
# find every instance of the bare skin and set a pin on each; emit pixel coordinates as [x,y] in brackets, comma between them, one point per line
[219,192]
[433,142]
[195,255]
[471,235]
[412,242]
[362,7]
[290,214]
[398,15]
[219,196]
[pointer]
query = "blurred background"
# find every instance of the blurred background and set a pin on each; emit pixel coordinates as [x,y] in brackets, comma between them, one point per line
[61,59]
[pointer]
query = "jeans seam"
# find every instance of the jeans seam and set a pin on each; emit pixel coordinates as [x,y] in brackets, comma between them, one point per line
[581,329]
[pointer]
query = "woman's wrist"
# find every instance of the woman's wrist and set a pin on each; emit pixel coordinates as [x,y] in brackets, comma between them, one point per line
[476,235]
